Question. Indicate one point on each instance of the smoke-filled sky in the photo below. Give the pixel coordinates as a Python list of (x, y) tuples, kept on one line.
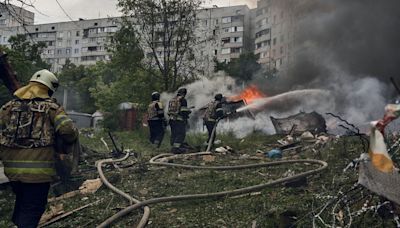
[(49, 11)]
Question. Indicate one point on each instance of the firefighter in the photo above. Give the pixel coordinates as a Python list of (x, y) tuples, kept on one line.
[(178, 113), (212, 114), (29, 125), (156, 119)]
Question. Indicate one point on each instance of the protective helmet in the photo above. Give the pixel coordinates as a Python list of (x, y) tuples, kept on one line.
[(218, 97), (182, 91), (155, 96), (46, 78)]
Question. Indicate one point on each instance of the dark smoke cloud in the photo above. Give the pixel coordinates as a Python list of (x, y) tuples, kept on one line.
[(360, 37), (349, 47)]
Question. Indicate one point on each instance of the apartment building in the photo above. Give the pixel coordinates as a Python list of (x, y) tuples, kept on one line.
[(83, 42), (223, 34), (11, 16)]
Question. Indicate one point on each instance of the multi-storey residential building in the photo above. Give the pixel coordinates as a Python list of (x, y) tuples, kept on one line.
[(223, 34), (11, 15), (82, 42)]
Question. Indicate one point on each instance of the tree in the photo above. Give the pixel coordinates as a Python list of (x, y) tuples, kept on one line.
[(165, 31), (78, 80), (243, 68), (24, 57)]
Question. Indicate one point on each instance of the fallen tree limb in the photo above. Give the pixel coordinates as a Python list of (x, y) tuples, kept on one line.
[(66, 214)]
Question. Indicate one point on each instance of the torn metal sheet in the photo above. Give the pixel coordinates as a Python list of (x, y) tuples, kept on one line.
[(299, 123), (381, 183)]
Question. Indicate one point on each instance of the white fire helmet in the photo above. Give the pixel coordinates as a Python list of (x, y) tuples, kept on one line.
[(46, 78)]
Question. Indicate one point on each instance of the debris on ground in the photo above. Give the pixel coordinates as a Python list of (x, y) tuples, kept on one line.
[(299, 123)]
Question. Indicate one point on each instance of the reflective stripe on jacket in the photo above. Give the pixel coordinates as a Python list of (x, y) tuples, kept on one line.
[(36, 164)]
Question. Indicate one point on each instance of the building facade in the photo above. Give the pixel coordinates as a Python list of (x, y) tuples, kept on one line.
[(223, 33)]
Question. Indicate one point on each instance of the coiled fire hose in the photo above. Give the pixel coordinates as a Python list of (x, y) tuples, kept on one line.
[(163, 159), (131, 200)]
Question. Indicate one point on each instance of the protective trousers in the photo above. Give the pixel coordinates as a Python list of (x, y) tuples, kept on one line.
[(178, 132), (156, 131), (30, 203), (210, 126)]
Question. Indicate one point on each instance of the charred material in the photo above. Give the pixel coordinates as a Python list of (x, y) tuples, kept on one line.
[(299, 123)]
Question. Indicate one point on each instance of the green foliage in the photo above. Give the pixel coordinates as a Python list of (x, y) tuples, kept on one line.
[(25, 60), (165, 32), (242, 68), (78, 80)]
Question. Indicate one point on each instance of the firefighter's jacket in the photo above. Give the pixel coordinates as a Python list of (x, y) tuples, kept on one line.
[(155, 111), (178, 109), (213, 111), (28, 128)]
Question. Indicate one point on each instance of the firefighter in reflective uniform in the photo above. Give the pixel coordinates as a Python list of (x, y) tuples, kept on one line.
[(28, 127), (156, 119), (178, 113), (212, 114)]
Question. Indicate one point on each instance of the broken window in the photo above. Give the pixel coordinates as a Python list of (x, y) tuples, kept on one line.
[(225, 40), (93, 48)]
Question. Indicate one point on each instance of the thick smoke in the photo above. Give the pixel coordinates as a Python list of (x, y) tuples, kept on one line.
[(350, 48)]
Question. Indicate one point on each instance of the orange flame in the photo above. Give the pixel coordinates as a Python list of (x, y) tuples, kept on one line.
[(248, 95)]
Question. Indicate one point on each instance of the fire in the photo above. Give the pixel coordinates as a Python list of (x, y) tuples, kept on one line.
[(248, 95)]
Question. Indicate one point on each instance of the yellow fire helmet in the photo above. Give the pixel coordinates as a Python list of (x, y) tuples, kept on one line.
[(46, 78)]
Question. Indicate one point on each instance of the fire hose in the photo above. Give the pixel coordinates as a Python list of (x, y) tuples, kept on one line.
[(131, 200), (163, 159)]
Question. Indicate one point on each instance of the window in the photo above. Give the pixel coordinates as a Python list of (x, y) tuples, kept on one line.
[(60, 34), (76, 41), (50, 43), (215, 52), (59, 43), (50, 52), (84, 49), (91, 40), (226, 20), (43, 35), (77, 33), (68, 34), (68, 42), (68, 51), (225, 51), (59, 52), (274, 41), (281, 50), (236, 39), (76, 50), (52, 28), (238, 28), (225, 40), (236, 50), (262, 33)]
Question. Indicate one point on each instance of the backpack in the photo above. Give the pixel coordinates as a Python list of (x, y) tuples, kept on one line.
[(174, 106), (210, 111), (29, 125)]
